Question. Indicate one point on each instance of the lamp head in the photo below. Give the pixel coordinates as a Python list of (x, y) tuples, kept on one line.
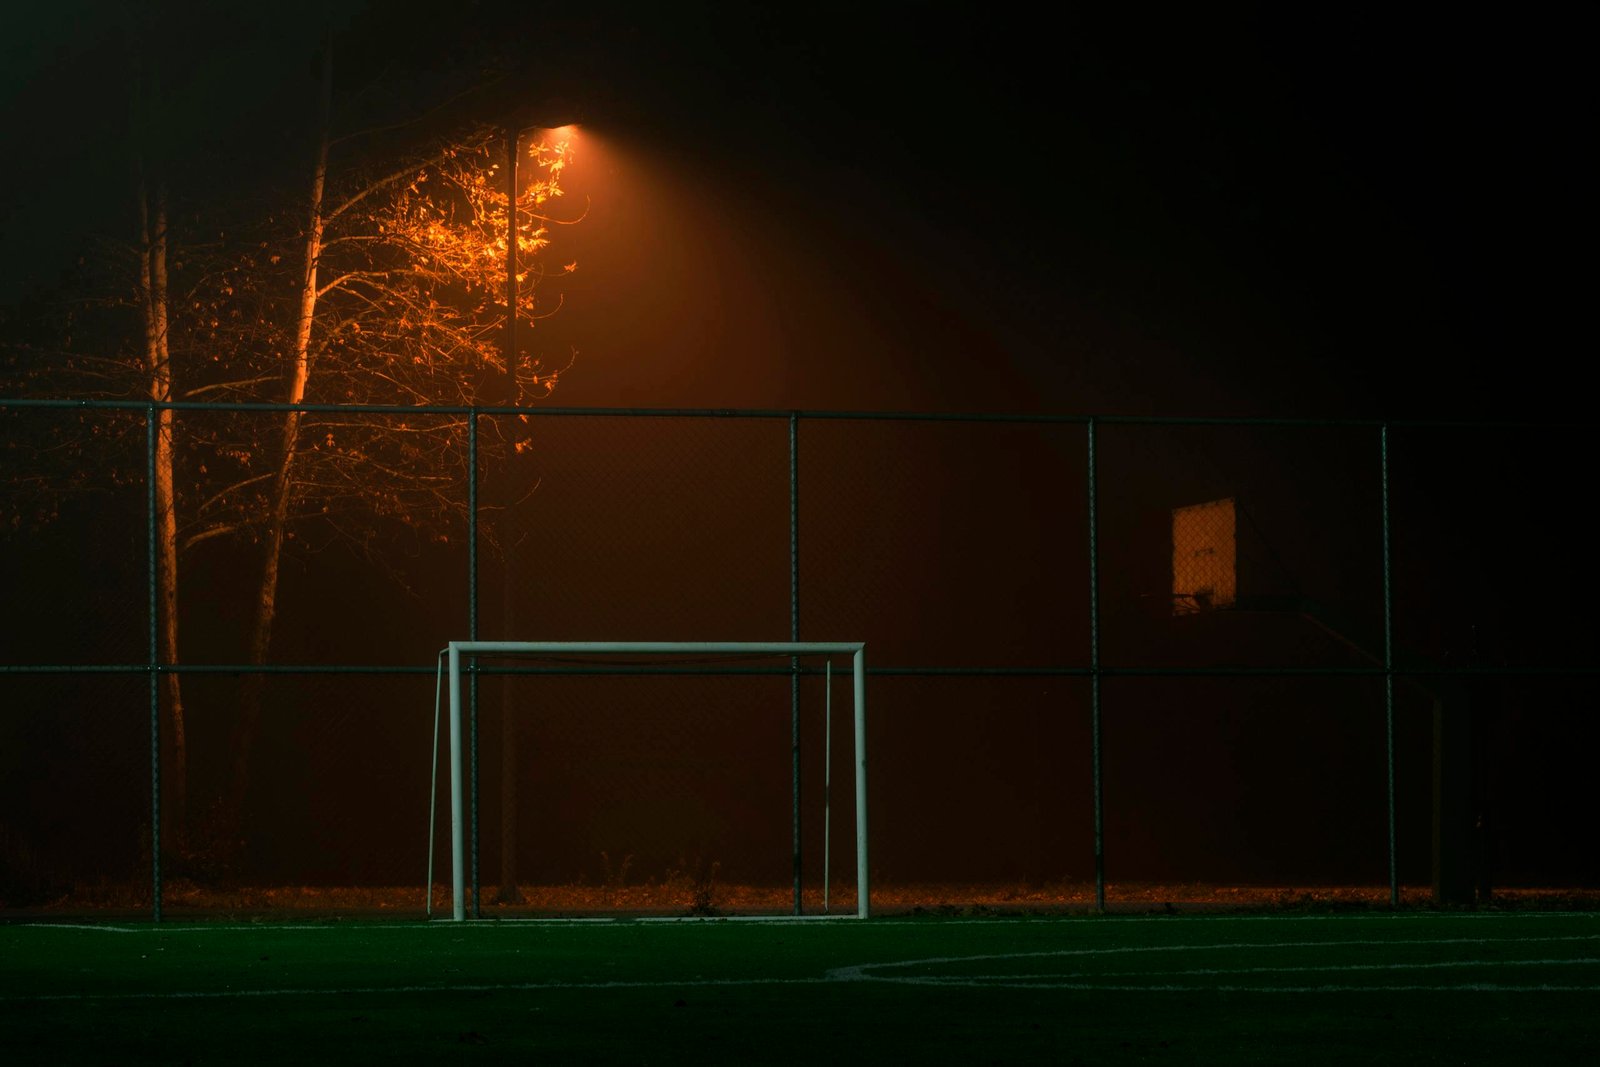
[(555, 115)]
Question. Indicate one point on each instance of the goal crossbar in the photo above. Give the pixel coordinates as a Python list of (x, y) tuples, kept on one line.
[(458, 649)]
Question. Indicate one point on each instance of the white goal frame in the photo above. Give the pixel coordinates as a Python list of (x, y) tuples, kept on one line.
[(457, 649)]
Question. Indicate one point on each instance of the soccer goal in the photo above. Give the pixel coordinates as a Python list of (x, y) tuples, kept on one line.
[(459, 652)]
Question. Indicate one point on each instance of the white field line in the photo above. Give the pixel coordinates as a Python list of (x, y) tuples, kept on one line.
[(859, 973), (1567, 961), (873, 972), (623, 922), (485, 987), (86, 926), (1100, 987), (701, 983)]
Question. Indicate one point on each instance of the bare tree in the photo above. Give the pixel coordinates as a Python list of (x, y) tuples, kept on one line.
[(400, 300), (386, 285), (109, 335)]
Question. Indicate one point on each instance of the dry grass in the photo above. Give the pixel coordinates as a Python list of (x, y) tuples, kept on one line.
[(688, 896)]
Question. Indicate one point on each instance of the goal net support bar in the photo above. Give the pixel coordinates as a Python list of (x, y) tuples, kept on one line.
[(459, 649)]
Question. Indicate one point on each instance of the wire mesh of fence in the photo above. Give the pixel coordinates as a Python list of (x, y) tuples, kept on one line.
[(1319, 657)]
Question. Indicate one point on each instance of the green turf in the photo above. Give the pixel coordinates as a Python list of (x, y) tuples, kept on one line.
[(1423, 988)]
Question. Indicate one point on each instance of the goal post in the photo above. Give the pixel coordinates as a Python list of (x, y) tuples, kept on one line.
[(457, 650)]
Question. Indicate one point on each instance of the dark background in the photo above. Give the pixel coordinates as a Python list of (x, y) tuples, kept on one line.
[(1103, 208)]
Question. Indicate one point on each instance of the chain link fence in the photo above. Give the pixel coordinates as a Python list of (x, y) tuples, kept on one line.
[(1113, 662)]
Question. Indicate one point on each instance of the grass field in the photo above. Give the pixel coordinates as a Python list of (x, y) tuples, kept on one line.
[(1416, 987)]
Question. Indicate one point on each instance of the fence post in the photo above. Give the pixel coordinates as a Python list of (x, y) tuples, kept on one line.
[(1094, 686), (153, 673), (472, 633), (794, 635), (1388, 666)]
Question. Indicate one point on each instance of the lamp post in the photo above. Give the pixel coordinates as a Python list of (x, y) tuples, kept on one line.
[(513, 149), (515, 479)]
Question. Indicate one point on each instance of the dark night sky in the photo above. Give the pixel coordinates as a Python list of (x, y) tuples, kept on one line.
[(1349, 211)]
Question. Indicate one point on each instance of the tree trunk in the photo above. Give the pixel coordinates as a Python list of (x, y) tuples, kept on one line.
[(158, 365), (248, 722)]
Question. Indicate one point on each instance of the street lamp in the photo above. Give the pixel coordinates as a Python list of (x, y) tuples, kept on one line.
[(510, 515)]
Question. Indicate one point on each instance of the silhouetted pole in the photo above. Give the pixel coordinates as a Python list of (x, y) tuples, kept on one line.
[(1094, 685), (508, 892)]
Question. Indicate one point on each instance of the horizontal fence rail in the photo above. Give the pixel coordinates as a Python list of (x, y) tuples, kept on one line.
[(49, 403)]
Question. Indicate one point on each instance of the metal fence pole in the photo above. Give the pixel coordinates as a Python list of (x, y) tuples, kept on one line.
[(794, 635), (153, 674), (1094, 686), (472, 633), (1388, 666)]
